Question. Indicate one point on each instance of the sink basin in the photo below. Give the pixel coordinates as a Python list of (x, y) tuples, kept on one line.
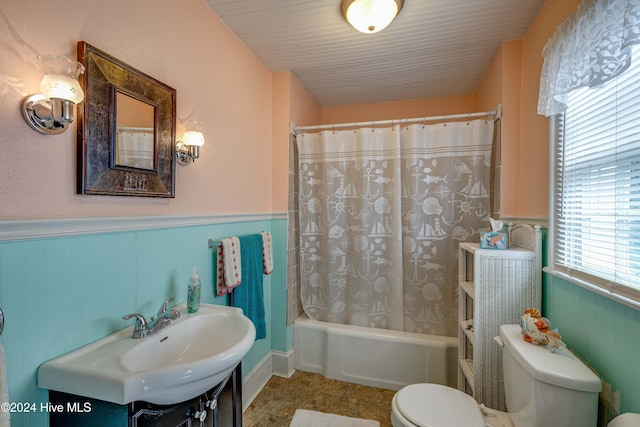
[(181, 361)]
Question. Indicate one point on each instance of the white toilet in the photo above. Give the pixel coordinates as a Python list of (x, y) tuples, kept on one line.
[(626, 420), (542, 389)]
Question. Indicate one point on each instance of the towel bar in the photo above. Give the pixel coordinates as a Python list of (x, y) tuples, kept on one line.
[(214, 243), (1, 321)]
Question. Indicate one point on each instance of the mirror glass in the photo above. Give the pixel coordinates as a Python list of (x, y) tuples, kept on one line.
[(127, 129), (135, 136)]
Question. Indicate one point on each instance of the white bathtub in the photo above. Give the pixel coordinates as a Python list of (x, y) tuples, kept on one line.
[(374, 357)]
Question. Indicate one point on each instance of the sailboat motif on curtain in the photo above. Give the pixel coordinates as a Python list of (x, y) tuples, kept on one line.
[(381, 214)]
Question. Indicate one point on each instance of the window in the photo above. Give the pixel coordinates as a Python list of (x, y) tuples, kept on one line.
[(596, 185)]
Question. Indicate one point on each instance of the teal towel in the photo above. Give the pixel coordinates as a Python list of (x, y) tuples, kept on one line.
[(248, 295)]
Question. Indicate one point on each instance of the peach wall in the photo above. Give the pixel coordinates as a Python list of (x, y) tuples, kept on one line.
[(489, 92), (305, 109), (292, 103), (514, 78), (280, 138), (533, 178), (510, 196), (222, 83), (397, 109), (501, 85), (183, 44)]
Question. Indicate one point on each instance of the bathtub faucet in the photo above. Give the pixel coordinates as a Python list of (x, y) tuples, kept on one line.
[(145, 328)]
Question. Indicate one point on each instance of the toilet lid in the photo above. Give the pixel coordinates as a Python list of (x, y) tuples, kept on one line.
[(434, 405)]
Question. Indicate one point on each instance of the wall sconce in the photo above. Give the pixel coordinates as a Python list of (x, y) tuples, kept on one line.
[(51, 111), (370, 16), (188, 149)]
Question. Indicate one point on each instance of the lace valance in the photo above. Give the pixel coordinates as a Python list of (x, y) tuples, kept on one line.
[(591, 47)]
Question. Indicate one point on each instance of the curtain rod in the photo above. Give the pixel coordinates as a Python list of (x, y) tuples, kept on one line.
[(133, 129), (497, 114)]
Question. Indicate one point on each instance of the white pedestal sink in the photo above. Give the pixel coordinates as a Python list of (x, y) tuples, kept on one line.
[(179, 362)]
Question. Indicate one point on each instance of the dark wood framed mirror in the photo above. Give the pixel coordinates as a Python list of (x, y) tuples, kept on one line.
[(126, 131)]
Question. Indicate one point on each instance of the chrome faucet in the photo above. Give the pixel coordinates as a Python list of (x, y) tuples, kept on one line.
[(145, 327)]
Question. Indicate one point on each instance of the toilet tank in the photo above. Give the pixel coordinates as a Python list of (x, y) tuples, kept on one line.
[(545, 389)]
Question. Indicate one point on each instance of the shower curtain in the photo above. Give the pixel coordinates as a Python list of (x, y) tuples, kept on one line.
[(135, 147), (381, 213)]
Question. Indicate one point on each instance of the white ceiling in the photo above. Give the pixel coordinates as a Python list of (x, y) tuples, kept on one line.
[(433, 48)]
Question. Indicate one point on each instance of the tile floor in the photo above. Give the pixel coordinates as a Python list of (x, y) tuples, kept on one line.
[(279, 399)]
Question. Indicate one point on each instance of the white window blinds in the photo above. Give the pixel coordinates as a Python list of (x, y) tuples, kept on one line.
[(596, 206)]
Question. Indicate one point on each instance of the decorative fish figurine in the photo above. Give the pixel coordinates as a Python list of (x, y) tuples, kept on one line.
[(535, 330)]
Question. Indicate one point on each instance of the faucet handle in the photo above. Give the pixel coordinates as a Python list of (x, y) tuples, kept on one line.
[(141, 323), (140, 330), (163, 308)]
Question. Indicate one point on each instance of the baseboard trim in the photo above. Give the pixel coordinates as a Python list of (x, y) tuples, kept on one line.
[(284, 364), (254, 381)]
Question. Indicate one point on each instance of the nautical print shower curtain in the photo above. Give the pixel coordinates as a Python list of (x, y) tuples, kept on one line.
[(381, 213)]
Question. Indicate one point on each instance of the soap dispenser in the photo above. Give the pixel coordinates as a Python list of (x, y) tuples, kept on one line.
[(193, 294)]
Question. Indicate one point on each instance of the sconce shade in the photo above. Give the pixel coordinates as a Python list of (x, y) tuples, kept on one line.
[(51, 111), (61, 79), (188, 149), (61, 87), (193, 137), (370, 16)]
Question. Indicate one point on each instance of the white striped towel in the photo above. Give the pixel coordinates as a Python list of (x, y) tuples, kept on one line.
[(229, 266), (267, 253)]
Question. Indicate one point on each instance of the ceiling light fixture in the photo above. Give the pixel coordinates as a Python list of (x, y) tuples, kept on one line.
[(370, 16)]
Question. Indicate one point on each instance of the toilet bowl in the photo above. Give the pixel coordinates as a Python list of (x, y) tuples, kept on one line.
[(542, 389), (626, 420)]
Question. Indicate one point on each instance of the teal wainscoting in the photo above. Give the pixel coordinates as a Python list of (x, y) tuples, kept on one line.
[(64, 290), (282, 339), (603, 332)]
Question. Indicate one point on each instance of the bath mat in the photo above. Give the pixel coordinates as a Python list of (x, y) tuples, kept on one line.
[(305, 418)]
